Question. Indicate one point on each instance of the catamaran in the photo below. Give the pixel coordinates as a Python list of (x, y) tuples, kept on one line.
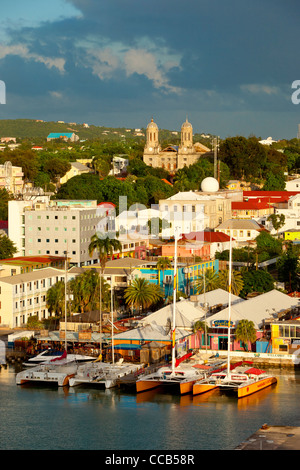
[(241, 382), (178, 376), (52, 354)]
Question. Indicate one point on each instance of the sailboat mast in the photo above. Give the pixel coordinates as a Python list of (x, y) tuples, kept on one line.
[(112, 325), (174, 302), (229, 303), (66, 304)]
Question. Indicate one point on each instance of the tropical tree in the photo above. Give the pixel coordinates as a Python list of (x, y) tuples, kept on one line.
[(7, 247), (85, 290), (237, 282), (256, 281), (245, 332), (142, 294), (207, 281), (278, 221), (201, 326), (163, 264), (55, 298), (105, 248)]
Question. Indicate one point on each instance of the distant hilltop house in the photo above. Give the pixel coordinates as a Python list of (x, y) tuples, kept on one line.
[(268, 141), (63, 136), (172, 157), (8, 139)]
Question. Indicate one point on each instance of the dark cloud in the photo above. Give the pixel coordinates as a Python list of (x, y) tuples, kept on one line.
[(163, 58)]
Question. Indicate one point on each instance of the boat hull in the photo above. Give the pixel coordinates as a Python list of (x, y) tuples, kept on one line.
[(187, 387), (248, 389), (199, 388), (144, 385)]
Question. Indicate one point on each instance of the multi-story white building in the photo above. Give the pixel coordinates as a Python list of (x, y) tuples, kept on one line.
[(44, 227), (24, 295)]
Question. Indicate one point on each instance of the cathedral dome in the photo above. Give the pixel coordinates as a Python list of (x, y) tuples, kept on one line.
[(186, 124), (152, 125)]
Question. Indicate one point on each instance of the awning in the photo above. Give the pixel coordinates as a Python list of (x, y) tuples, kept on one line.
[(254, 371), (126, 346)]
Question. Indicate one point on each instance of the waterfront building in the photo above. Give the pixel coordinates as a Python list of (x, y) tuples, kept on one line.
[(26, 264), (172, 157), (262, 310), (24, 295), (285, 336)]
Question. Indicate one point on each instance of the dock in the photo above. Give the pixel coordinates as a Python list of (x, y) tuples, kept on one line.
[(273, 438)]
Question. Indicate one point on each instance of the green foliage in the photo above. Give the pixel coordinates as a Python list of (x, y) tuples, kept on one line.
[(289, 269), (5, 196), (274, 182), (244, 157), (142, 294), (267, 244), (7, 247), (245, 332), (256, 281)]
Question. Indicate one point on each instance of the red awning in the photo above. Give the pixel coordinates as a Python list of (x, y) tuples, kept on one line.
[(254, 371)]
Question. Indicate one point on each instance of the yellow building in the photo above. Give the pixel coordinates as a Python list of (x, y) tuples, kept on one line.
[(11, 178), (172, 157), (285, 336), (293, 235)]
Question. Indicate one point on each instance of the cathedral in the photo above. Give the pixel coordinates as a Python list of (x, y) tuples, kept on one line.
[(173, 157)]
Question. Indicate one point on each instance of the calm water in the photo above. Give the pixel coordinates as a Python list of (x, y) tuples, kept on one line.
[(41, 417)]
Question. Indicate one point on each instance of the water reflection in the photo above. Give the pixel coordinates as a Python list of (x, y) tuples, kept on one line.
[(95, 418)]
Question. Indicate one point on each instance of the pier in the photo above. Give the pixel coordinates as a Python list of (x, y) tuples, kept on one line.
[(273, 438)]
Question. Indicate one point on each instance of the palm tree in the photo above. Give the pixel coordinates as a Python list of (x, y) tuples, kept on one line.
[(105, 248), (162, 264), (141, 294), (245, 332), (237, 282), (207, 281), (55, 298), (83, 288), (201, 326)]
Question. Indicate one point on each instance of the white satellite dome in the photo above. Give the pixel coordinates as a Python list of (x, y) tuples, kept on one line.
[(210, 185)]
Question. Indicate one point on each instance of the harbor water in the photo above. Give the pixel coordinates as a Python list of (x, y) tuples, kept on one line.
[(45, 417)]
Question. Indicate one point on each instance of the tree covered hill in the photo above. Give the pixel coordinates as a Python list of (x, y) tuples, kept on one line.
[(39, 130)]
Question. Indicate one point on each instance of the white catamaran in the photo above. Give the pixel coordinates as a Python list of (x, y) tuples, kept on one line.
[(239, 381), (179, 377)]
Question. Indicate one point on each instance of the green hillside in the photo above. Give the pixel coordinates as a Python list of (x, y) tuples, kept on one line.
[(38, 131)]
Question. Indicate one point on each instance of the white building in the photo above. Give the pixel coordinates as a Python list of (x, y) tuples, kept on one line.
[(41, 226), (293, 185), (291, 214), (242, 230), (24, 295)]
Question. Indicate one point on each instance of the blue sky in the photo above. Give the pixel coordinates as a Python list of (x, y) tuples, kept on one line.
[(226, 65)]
